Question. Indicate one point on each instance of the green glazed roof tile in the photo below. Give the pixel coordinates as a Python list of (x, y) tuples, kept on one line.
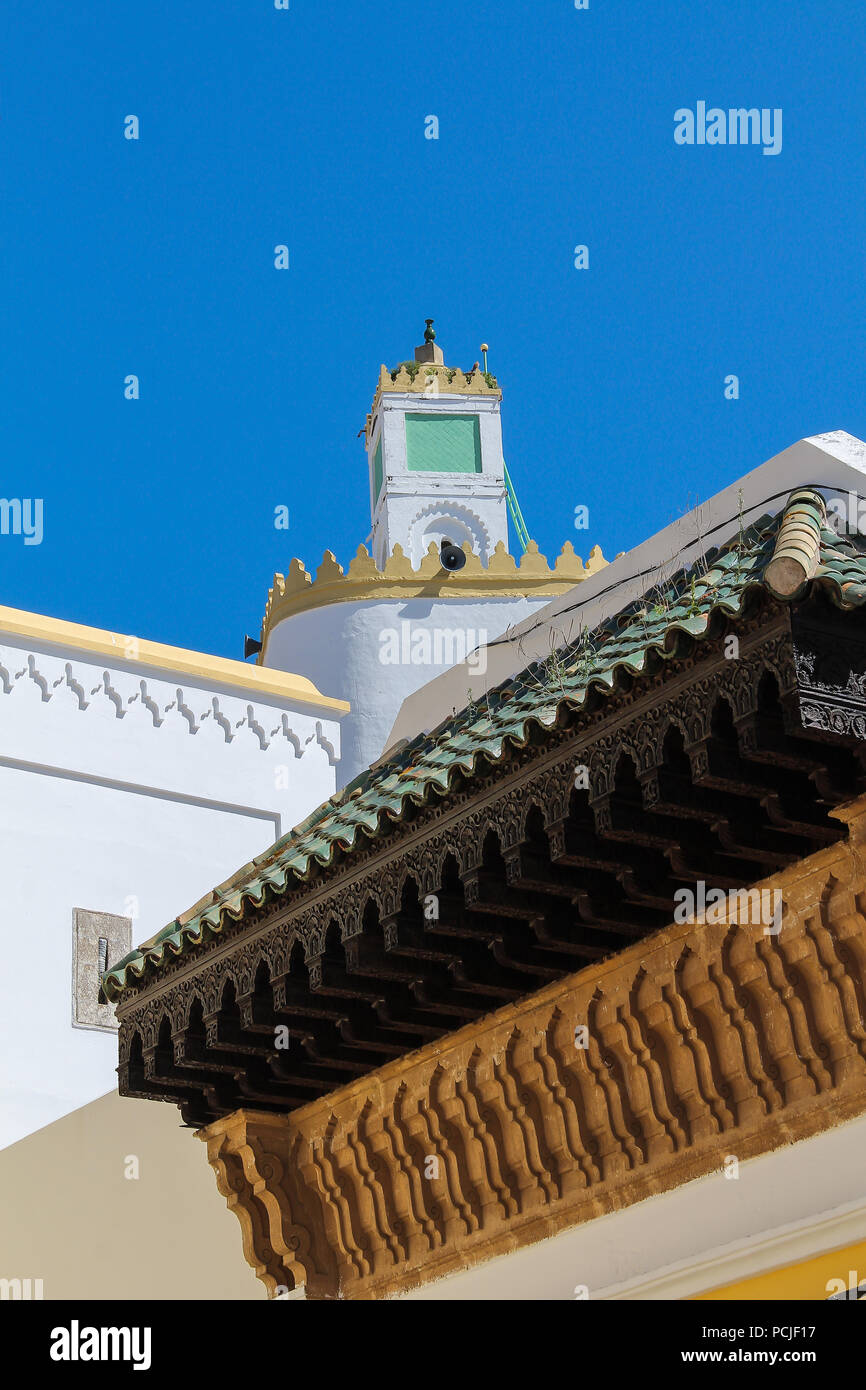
[(427, 766)]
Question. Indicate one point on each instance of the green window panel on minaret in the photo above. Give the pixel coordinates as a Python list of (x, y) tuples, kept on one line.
[(377, 471), (443, 444)]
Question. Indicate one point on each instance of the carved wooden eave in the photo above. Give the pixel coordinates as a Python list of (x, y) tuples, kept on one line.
[(700, 770), (706, 1042)]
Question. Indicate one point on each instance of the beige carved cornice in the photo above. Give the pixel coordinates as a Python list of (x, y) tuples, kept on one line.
[(704, 1041), (503, 577)]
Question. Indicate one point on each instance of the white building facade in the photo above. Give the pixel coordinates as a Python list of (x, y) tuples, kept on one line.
[(133, 776)]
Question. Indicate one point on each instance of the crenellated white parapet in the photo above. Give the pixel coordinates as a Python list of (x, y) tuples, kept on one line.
[(133, 777)]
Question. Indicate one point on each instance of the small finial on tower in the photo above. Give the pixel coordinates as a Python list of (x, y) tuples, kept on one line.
[(428, 351), (484, 350)]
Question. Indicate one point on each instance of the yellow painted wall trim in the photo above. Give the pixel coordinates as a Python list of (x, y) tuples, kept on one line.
[(136, 651), (769, 1265), (814, 1279)]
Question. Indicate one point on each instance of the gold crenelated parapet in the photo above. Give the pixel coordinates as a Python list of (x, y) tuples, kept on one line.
[(428, 378), (297, 590)]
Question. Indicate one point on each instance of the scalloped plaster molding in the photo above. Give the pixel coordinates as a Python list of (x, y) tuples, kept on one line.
[(445, 511), (137, 652), (120, 695)]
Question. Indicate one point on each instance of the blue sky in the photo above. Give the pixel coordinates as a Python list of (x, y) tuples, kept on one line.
[(306, 127)]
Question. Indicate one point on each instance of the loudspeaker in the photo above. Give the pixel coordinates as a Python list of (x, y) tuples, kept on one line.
[(451, 556)]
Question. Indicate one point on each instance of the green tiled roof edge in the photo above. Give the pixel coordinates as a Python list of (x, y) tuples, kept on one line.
[(428, 764)]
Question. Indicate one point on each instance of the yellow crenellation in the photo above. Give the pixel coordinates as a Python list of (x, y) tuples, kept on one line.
[(297, 590), (449, 381)]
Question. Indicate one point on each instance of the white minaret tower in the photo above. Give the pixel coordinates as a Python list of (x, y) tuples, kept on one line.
[(440, 582), (434, 449)]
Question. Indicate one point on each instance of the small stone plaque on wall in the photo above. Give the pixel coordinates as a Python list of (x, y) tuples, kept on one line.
[(99, 939)]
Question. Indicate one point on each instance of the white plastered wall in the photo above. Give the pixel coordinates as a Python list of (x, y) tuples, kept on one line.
[(129, 791), (346, 648)]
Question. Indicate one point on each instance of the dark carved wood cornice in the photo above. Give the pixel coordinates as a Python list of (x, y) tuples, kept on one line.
[(766, 633), (534, 876)]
